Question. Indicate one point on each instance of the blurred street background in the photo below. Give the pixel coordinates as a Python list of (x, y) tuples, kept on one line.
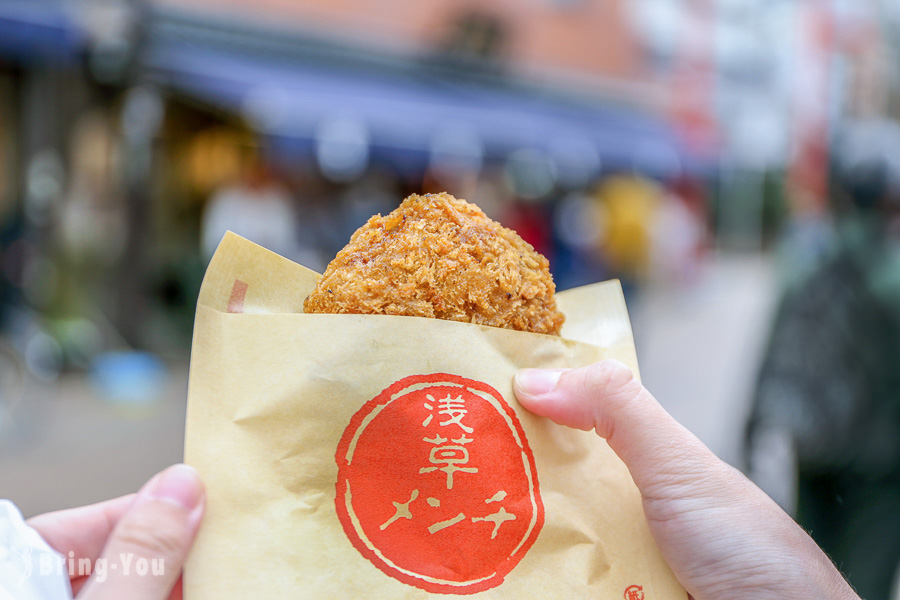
[(736, 163)]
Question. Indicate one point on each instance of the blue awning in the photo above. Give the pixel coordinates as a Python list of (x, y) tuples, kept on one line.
[(40, 30), (290, 100)]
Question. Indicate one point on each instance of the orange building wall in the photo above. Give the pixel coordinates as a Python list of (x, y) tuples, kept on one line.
[(579, 37)]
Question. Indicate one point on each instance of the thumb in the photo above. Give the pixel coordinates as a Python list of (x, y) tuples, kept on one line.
[(144, 556), (606, 396)]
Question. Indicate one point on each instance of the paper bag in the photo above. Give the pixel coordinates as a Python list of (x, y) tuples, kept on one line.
[(374, 456)]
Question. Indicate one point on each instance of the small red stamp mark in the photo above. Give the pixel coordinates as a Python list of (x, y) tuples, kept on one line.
[(437, 485), (238, 293), (634, 592)]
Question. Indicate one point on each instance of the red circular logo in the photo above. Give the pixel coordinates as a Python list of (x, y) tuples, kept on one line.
[(437, 484), (634, 592)]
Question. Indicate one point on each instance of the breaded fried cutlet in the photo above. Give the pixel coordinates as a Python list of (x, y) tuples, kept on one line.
[(439, 257)]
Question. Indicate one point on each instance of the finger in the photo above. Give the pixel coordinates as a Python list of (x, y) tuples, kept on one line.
[(81, 532), (146, 551), (606, 397)]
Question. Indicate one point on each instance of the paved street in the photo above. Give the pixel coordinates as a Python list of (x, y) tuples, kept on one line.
[(698, 351), (72, 448)]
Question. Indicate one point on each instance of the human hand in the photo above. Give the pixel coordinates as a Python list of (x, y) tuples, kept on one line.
[(719, 533), (116, 539)]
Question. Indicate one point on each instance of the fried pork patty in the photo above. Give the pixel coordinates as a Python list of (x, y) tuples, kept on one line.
[(439, 257)]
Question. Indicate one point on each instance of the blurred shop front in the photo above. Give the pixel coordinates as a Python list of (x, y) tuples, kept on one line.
[(45, 103), (127, 126)]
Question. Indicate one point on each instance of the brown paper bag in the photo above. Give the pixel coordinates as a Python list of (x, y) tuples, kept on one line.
[(372, 456)]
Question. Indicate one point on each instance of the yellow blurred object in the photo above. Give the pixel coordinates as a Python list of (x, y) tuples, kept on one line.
[(630, 205), (214, 157)]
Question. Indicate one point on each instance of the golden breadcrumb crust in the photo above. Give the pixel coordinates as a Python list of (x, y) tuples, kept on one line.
[(439, 257)]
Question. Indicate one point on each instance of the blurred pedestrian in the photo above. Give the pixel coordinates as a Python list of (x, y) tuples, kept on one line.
[(830, 385)]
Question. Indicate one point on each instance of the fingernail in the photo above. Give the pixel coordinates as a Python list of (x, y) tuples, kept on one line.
[(178, 484), (537, 382)]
